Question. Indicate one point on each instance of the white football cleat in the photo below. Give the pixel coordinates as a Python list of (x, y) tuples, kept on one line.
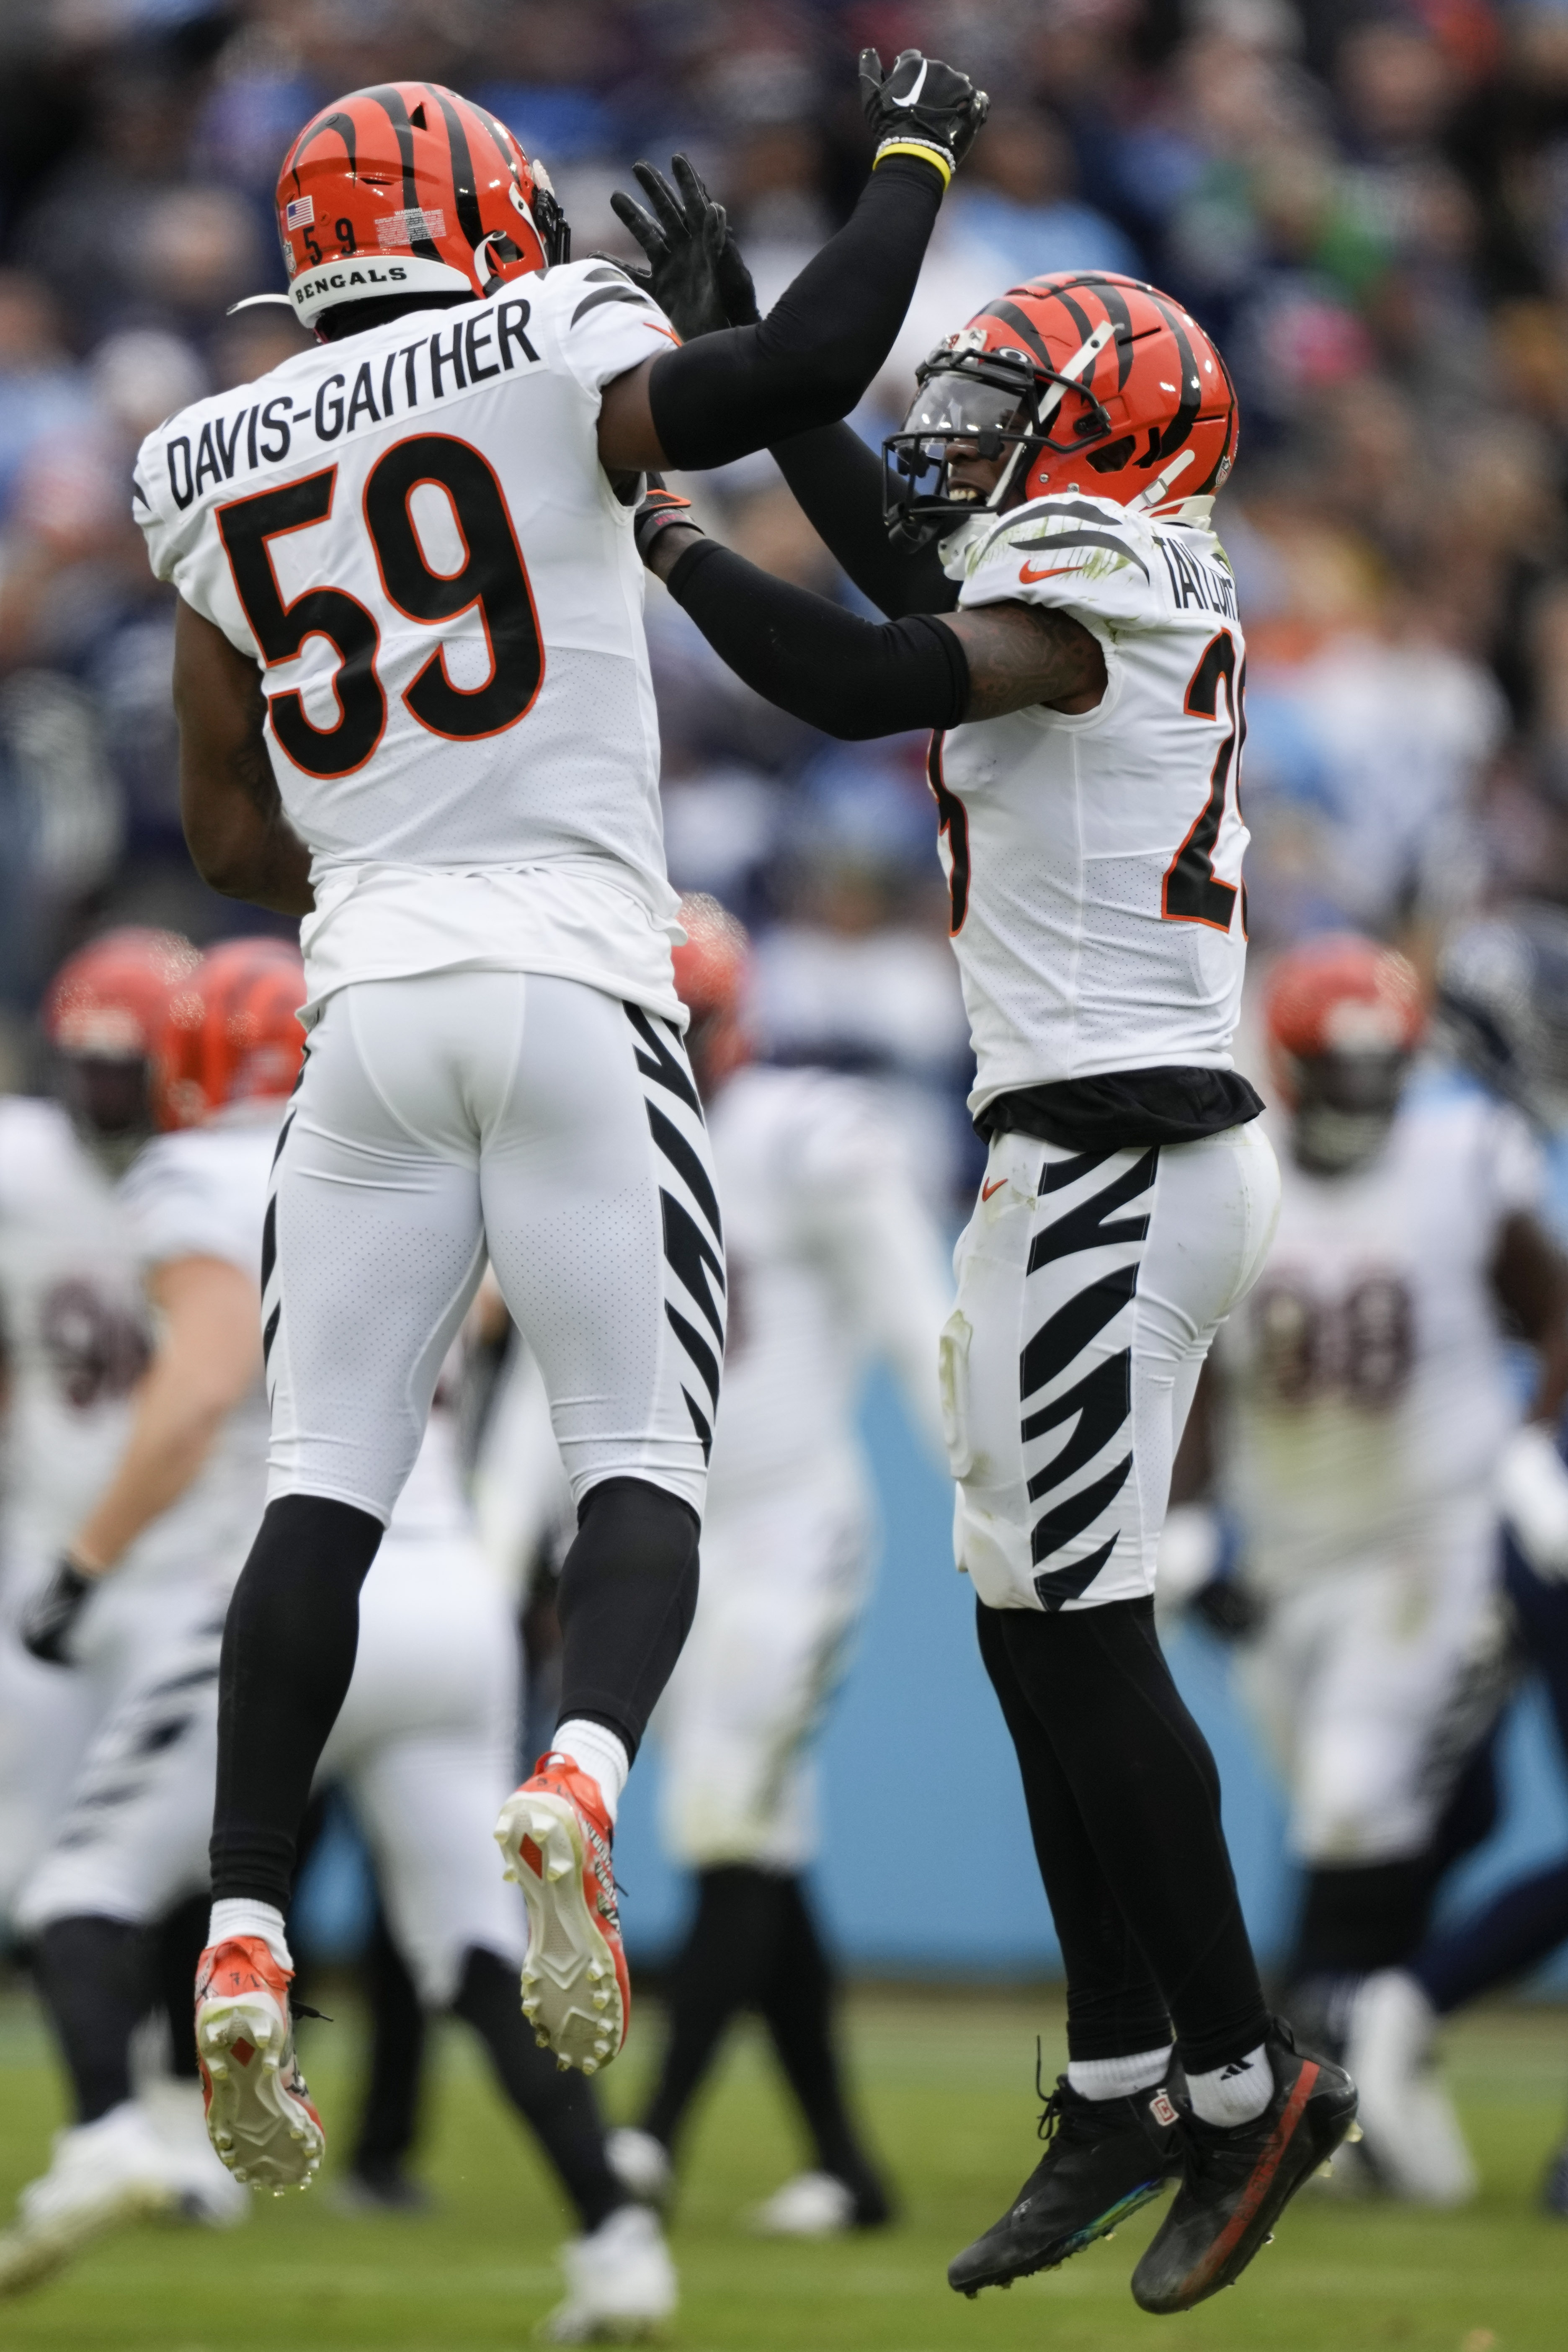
[(260, 2115), (207, 2194), (100, 2174), (642, 2165), (620, 2283), (1412, 2133), (555, 1835), (811, 2205)]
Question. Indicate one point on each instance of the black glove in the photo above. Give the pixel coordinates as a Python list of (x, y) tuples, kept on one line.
[(1227, 1609), (922, 103), (695, 271), (658, 509), (50, 1616)]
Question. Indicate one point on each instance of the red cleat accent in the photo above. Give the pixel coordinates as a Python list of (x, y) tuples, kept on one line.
[(259, 2117)]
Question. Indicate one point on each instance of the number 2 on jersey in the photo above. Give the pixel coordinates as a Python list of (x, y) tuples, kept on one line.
[(1194, 892), (492, 579)]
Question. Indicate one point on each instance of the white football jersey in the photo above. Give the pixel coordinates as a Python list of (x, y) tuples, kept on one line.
[(73, 1325), (1364, 1381), (831, 1260), (1094, 861), (202, 1193), (411, 531)]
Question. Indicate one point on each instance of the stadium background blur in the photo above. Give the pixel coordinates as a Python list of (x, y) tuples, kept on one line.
[(1367, 205)]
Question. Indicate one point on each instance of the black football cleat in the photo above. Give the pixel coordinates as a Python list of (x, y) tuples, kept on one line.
[(1238, 2180), (1104, 2158)]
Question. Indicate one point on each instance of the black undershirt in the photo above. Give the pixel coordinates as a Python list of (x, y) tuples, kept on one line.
[(1124, 1110)]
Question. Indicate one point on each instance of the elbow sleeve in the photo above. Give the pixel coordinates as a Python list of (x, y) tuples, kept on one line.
[(851, 678)]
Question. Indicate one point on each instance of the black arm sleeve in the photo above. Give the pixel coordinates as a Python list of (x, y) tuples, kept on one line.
[(851, 678), (837, 484), (809, 361)]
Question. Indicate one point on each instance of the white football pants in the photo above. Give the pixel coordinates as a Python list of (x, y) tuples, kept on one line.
[(1374, 1681), (1089, 1288), (424, 1749), (460, 1113), (785, 1578)]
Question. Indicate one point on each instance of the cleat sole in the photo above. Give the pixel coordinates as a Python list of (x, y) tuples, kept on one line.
[(261, 2130), (569, 1956)]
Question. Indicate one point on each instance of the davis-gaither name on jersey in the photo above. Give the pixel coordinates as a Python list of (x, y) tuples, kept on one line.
[(492, 341)]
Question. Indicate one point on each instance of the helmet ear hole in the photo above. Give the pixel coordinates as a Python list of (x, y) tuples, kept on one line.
[(1114, 455)]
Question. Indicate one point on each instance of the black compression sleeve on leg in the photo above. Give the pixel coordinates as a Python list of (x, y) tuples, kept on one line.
[(852, 677), (389, 2119), (1115, 2007), (1363, 1915), (1146, 1791), (628, 1593), (837, 485), (798, 2000), (557, 2103), (287, 1657), (809, 361), (178, 1942), (95, 1980), (719, 1970)]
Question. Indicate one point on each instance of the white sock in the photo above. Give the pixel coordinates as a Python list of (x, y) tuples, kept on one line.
[(237, 1916), (1118, 2078), (600, 1753), (1232, 2094)]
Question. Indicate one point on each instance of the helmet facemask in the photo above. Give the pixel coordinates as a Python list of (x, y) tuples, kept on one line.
[(1346, 1105), (984, 404)]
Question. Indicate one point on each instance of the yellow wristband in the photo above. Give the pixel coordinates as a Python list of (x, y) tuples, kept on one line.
[(915, 147)]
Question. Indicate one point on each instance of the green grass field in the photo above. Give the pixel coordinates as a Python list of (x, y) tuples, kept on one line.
[(947, 2082)]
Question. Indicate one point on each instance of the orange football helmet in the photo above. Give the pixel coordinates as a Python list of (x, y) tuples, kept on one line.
[(409, 188), (1343, 1016), (248, 1045), (710, 980), (1084, 381), (113, 1016)]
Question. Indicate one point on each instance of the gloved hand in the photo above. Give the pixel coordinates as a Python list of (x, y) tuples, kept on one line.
[(922, 103), (695, 271), (49, 1617), (658, 510), (1533, 1496)]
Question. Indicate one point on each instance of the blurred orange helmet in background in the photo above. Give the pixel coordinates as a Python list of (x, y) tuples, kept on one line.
[(711, 973), (114, 1016), (1339, 994), (410, 189), (247, 1044), (1343, 1016)]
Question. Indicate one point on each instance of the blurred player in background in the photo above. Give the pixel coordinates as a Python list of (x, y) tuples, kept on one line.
[(1503, 1006), (424, 1742), (414, 544), (77, 1335), (1360, 1414), (832, 1260), (1066, 625)]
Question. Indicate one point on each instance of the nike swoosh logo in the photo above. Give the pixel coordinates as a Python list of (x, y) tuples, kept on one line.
[(995, 1186), (912, 95), (1029, 571)]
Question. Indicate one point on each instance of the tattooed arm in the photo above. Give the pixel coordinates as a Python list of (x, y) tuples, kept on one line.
[(239, 839), (1024, 653), (857, 678)]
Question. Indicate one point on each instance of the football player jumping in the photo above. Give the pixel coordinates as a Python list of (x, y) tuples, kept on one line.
[(414, 708), (1065, 623)]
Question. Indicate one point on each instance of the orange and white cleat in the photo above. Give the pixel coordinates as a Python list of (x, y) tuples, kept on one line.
[(555, 1835), (260, 2115)]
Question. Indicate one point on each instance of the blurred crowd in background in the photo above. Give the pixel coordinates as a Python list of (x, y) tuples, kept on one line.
[(1366, 205)]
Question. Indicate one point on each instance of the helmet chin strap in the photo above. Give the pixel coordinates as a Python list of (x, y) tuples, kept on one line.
[(994, 503), (1159, 489)]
